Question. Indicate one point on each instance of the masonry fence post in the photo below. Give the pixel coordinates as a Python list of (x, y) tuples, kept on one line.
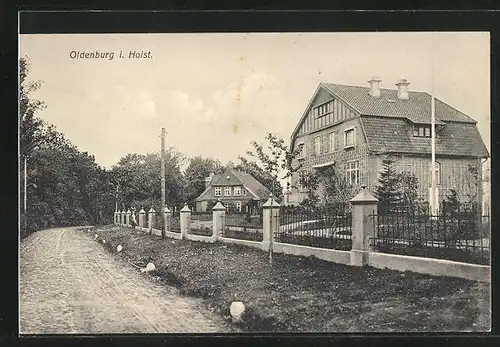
[(127, 217), (115, 219), (142, 218), (122, 218), (167, 216), (151, 219), (185, 220), (364, 205), (270, 219), (218, 213)]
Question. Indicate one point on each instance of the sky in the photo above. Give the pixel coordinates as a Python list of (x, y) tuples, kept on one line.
[(215, 93)]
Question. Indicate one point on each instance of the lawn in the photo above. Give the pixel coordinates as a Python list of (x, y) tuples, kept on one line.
[(304, 294)]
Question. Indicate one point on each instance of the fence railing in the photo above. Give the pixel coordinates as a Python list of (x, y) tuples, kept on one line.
[(460, 236), (242, 226), (175, 222), (201, 216), (314, 228)]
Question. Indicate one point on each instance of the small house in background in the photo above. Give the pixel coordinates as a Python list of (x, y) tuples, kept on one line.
[(237, 190)]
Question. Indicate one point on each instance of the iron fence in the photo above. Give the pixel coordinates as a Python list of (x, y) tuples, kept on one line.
[(202, 216), (314, 228), (175, 222), (242, 226), (457, 235)]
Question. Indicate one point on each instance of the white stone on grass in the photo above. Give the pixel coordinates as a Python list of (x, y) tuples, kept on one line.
[(96, 236), (150, 267), (236, 309), (119, 248), (103, 241)]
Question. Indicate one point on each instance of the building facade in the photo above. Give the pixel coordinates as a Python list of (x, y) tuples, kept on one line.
[(237, 190), (354, 128)]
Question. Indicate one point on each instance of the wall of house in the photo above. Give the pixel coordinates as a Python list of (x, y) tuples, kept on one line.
[(340, 155), (454, 174)]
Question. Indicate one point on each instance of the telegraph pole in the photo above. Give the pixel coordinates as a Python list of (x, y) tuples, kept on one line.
[(163, 181)]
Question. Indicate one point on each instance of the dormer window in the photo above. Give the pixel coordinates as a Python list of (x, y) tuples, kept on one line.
[(422, 131)]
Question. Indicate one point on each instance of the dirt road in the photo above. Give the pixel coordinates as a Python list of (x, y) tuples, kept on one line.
[(70, 284)]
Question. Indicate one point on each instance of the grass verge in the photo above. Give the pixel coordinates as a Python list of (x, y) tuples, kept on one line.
[(302, 294)]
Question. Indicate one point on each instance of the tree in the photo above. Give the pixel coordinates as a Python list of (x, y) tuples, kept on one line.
[(277, 160), (387, 191), (198, 169), (266, 179), (408, 189), (337, 191), (139, 181)]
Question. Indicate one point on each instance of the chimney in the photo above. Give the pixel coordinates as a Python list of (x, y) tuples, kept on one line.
[(374, 88), (208, 179), (403, 89)]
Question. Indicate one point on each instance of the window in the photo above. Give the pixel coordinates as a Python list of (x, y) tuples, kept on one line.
[(244, 191), (352, 172), (302, 153), (323, 109), (237, 191), (227, 191), (422, 131), (317, 145), (438, 173), (349, 137), (331, 140), (238, 205), (218, 191)]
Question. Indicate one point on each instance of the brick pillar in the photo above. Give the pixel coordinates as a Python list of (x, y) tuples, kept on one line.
[(116, 218), (364, 204), (218, 213), (142, 218), (185, 220), (270, 219), (167, 216), (151, 219), (127, 217)]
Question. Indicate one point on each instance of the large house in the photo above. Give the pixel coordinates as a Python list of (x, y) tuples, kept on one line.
[(237, 190), (355, 127)]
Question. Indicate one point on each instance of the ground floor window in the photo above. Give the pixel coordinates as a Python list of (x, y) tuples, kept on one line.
[(352, 172), (237, 204)]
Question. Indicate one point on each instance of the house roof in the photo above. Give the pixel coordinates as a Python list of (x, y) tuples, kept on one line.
[(236, 178), (417, 108), (394, 136)]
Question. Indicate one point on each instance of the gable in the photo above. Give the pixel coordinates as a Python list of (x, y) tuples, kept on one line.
[(338, 111)]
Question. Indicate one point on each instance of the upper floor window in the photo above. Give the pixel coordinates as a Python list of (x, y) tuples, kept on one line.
[(237, 191), (227, 191), (352, 172), (244, 191), (331, 141), (349, 137), (323, 109), (317, 145), (218, 191), (422, 131)]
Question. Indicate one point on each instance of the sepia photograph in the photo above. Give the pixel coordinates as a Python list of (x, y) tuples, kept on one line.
[(324, 182)]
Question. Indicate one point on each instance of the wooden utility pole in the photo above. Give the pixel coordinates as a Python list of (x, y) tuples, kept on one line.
[(163, 182)]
